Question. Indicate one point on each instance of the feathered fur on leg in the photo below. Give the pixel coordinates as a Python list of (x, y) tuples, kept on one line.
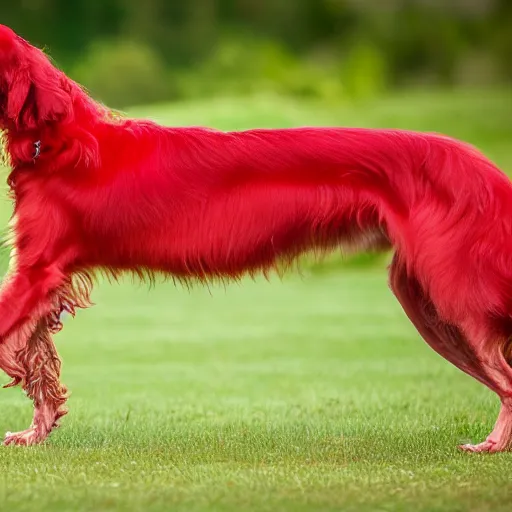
[(38, 371), (35, 302)]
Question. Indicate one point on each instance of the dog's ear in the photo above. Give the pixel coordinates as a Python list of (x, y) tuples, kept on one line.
[(17, 96), (52, 95), (38, 94)]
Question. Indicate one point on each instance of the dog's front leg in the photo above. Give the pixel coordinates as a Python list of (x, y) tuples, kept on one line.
[(26, 296), (28, 304), (32, 361)]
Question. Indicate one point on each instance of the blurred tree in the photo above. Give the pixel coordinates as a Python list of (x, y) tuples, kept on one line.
[(387, 42)]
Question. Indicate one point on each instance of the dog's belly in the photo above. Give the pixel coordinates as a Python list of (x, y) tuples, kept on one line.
[(236, 233)]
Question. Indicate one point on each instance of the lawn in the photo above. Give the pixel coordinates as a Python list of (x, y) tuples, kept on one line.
[(310, 394)]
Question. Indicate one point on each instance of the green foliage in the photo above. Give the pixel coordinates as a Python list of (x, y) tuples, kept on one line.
[(329, 49), (121, 73), (241, 66), (365, 71)]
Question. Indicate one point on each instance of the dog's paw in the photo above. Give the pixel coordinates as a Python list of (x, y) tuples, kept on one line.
[(28, 437), (485, 447)]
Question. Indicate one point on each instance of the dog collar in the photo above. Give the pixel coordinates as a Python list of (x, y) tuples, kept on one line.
[(37, 149)]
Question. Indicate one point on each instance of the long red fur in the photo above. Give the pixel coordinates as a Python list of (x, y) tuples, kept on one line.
[(111, 194)]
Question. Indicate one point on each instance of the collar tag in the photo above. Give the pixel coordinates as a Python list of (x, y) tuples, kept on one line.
[(37, 149)]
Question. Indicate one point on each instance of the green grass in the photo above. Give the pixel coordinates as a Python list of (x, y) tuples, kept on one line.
[(311, 394)]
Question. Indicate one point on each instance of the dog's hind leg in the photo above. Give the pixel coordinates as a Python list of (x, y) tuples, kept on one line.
[(32, 361), (484, 362), (495, 360)]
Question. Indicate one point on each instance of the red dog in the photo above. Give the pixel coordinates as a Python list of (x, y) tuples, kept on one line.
[(97, 192)]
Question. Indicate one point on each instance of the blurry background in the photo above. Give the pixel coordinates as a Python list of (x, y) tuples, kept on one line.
[(312, 394), (139, 51)]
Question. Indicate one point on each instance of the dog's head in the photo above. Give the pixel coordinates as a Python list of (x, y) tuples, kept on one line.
[(33, 92)]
